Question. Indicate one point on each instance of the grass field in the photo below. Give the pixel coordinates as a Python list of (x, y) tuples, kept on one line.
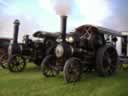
[(32, 83)]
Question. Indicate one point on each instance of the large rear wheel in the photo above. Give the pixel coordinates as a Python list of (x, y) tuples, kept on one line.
[(106, 60)]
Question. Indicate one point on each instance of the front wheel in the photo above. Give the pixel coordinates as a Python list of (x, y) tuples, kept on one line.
[(72, 70), (48, 66), (16, 63)]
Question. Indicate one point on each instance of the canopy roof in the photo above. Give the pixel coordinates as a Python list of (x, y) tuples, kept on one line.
[(99, 29)]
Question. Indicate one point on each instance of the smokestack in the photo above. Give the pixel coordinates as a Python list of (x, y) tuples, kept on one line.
[(16, 31), (63, 26), (63, 8)]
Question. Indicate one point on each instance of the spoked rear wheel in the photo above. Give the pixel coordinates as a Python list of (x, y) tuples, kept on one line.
[(16, 63), (106, 60), (72, 70), (4, 62), (48, 66)]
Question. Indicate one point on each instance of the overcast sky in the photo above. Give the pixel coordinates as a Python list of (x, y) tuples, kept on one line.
[(40, 15)]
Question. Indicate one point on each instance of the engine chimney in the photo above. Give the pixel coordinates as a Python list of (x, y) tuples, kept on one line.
[(63, 26), (16, 31)]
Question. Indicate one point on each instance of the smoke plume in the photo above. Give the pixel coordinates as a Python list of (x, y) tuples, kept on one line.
[(62, 7)]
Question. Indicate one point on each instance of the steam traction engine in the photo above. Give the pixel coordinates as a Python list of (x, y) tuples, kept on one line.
[(29, 50), (85, 49)]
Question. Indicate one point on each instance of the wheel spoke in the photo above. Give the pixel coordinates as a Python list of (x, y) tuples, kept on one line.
[(106, 60), (72, 71), (16, 63), (48, 67)]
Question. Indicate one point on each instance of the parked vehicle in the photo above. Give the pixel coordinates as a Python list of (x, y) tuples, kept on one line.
[(29, 50), (85, 49)]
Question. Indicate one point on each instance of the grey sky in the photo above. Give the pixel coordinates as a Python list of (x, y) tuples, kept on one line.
[(38, 15)]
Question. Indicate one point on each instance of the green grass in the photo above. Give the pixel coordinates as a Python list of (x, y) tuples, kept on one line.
[(32, 83)]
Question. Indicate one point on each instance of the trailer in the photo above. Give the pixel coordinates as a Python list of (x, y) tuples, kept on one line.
[(122, 48), (4, 44)]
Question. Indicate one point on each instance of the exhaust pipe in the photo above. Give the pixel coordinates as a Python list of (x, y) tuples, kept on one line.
[(16, 31), (63, 27)]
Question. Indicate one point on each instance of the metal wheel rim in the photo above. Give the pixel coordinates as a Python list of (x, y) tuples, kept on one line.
[(73, 72), (109, 60), (4, 63), (49, 68), (17, 64)]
